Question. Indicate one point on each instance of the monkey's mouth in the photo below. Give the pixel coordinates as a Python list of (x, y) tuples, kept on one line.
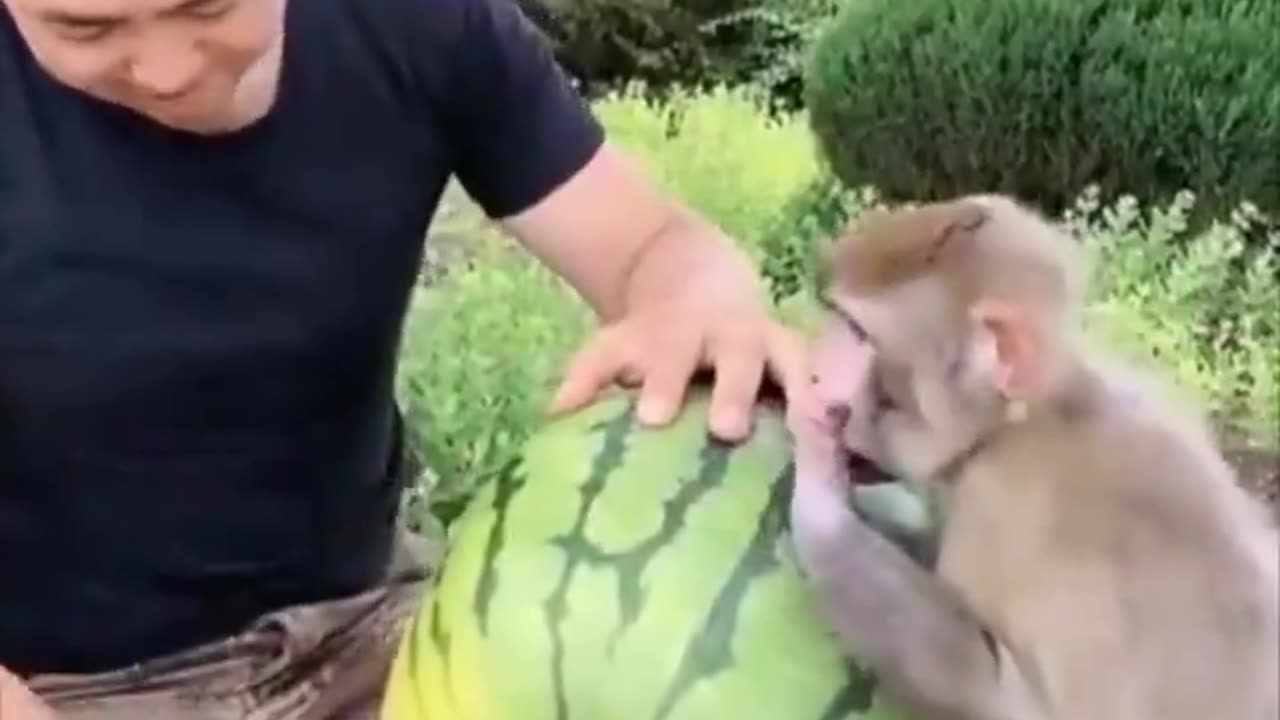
[(862, 471)]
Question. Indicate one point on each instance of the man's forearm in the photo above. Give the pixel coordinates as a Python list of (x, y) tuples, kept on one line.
[(19, 703), (685, 248), (621, 243)]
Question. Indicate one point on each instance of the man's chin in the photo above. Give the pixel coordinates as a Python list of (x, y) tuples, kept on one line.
[(205, 123), (207, 126), (205, 118)]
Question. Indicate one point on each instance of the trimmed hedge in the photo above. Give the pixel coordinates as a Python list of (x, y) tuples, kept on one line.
[(1042, 98)]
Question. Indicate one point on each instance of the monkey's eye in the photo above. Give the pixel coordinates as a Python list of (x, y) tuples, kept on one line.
[(891, 388), (880, 394)]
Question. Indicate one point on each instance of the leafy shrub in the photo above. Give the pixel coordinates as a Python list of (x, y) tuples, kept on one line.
[(692, 44), (482, 347), (809, 218), (603, 42), (1041, 98), (765, 45), (485, 341), (1183, 310), (754, 172), (719, 152)]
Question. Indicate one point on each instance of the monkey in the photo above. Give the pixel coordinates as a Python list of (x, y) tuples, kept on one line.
[(1096, 558)]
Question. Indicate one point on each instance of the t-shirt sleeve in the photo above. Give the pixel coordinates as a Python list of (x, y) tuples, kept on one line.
[(516, 126)]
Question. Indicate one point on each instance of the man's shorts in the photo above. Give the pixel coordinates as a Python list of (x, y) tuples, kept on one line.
[(322, 661)]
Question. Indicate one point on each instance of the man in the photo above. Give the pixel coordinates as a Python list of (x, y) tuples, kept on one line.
[(211, 216)]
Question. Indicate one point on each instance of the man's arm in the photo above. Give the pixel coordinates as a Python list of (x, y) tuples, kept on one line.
[(619, 241), (529, 149), (673, 292), (19, 703)]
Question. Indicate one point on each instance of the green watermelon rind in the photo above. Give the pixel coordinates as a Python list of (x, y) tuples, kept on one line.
[(569, 623)]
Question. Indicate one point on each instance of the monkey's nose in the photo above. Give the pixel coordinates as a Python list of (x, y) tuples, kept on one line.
[(839, 414)]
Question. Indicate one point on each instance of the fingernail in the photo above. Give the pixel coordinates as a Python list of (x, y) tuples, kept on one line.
[(653, 412), (730, 424), (557, 402)]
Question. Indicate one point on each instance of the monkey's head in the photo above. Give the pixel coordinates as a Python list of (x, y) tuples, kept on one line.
[(943, 321)]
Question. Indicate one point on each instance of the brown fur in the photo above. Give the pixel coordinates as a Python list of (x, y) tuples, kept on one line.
[(876, 254), (1099, 541)]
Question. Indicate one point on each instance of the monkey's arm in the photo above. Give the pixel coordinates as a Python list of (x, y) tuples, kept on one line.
[(931, 655), (897, 513)]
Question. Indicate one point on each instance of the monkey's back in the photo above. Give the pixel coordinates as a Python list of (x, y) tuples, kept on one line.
[(1113, 552)]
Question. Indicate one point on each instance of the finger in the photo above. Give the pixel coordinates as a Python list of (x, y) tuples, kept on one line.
[(630, 377), (818, 510), (807, 420), (588, 371), (740, 366), (667, 379), (819, 459), (789, 363)]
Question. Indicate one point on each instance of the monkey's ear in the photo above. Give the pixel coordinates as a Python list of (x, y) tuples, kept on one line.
[(952, 229), (1012, 355)]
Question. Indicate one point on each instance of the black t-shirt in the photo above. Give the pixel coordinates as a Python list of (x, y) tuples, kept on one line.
[(198, 335)]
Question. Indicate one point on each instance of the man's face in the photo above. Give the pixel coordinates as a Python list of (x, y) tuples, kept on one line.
[(197, 65)]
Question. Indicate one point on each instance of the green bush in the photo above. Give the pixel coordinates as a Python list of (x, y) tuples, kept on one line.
[(1184, 310), (765, 45), (604, 42), (1042, 98), (608, 44), (484, 342), (808, 219), (719, 152), (486, 339), (482, 347)]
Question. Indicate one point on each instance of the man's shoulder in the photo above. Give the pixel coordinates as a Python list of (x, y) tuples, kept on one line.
[(10, 41), (435, 46), (421, 27)]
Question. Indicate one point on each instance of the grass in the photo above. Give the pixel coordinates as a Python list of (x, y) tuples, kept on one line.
[(486, 337)]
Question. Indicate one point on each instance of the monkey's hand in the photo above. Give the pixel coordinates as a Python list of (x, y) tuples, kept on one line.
[(932, 656), (820, 494)]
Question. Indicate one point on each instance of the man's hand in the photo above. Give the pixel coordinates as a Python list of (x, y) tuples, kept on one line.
[(673, 293), (661, 343), (19, 703)]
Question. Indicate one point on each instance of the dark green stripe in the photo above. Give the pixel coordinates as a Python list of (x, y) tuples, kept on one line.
[(440, 639), (709, 653), (855, 698), (413, 657), (857, 695), (510, 480), (631, 563), (577, 548), (413, 654)]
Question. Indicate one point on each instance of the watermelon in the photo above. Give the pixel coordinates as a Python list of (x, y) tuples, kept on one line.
[(624, 572)]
